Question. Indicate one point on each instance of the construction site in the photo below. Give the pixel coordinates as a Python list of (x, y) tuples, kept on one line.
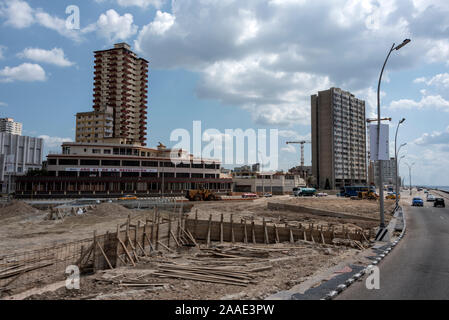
[(115, 214), (241, 249)]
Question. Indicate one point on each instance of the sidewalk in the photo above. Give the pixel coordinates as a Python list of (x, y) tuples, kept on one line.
[(337, 278)]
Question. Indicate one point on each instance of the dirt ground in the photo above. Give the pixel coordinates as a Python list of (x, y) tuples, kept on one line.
[(258, 209), (24, 228), (365, 208), (290, 265)]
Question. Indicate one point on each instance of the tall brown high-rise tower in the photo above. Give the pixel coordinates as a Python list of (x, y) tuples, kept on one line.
[(338, 139), (120, 99)]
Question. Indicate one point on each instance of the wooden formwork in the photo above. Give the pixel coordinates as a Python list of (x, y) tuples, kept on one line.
[(132, 241), (245, 232), (125, 247)]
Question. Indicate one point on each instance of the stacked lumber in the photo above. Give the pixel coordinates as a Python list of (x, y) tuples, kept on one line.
[(205, 274), (133, 283), (348, 243), (16, 268), (236, 253)]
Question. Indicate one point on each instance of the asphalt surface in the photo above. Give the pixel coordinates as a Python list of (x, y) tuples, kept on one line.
[(418, 268)]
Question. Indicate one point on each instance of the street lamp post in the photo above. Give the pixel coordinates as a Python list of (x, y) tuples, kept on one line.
[(399, 165), (410, 174), (381, 187), (396, 152), (397, 173)]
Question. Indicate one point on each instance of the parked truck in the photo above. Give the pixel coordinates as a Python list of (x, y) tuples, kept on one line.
[(304, 192)]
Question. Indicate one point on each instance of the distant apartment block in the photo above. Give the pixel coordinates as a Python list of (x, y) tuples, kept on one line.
[(277, 183), (120, 99), (338, 139), (8, 125), (18, 155), (388, 172), (95, 126), (103, 170)]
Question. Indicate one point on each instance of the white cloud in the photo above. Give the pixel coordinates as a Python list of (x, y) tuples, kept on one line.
[(439, 80), (20, 15), (3, 104), (140, 3), (427, 102), (289, 149), (439, 51), (57, 24), (28, 72), (161, 23), (250, 27), (55, 56), (431, 165), (54, 142), (114, 27), (271, 97), (253, 54), (435, 138), (288, 134), (370, 96), (136, 3)]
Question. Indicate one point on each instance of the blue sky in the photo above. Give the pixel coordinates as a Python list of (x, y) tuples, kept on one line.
[(234, 64)]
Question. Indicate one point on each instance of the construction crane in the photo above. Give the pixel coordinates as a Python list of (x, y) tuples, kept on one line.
[(302, 143), (375, 120)]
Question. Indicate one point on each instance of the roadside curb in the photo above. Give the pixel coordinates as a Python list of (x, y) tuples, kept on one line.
[(377, 259)]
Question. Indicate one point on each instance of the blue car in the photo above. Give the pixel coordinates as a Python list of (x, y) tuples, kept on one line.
[(417, 202)]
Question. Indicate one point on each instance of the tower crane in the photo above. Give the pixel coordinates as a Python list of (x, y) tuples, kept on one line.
[(302, 143)]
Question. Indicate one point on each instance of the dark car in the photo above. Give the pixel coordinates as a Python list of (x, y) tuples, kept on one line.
[(439, 202), (418, 202)]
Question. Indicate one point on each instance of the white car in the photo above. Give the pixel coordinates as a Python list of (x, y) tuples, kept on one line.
[(430, 197), (322, 194)]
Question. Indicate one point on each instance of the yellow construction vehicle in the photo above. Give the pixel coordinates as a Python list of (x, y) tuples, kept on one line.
[(392, 196), (202, 195), (368, 195)]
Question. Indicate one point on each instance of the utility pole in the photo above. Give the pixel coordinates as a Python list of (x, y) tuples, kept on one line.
[(410, 174), (381, 187)]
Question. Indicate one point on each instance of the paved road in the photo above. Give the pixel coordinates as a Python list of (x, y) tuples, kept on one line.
[(418, 268)]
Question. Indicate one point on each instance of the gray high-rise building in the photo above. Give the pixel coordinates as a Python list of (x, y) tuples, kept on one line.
[(18, 155), (388, 172), (338, 139)]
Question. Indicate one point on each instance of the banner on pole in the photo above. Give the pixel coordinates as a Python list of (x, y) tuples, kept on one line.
[(384, 146)]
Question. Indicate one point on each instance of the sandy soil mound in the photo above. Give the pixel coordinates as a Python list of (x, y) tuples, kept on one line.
[(17, 209), (109, 209), (100, 213), (356, 207)]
